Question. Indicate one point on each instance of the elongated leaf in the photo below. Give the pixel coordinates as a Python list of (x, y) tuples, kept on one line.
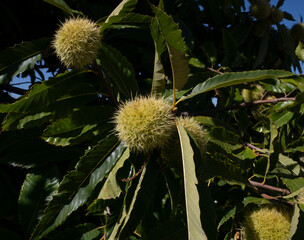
[(230, 79), (26, 149), (296, 228), (22, 120), (19, 58), (227, 216), (139, 202), (118, 69), (281, 118), (165, 31), (294, 185), (79, 184), (290, 164), (193, 212), (78, 126), (62, 5), (158, 83), (38, 186), (255, 200), (132, 20), (125, 7), (111, 188), (120, 12), (68, 86)]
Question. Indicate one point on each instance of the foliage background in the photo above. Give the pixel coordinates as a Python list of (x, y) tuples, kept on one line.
[(61, 168)]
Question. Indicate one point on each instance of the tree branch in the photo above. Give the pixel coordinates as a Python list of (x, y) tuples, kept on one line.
[(237, 106), (12, 89), (268, 187), (246, 144)]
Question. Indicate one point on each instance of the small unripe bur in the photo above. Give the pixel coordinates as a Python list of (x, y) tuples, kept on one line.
[(297, 32), (276, 15), (260, 10), (76, 42), (251, 95), (266, 223), (144, 124)]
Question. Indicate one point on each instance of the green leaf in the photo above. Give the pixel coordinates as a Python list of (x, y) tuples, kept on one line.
[(25, 149), (39, 185), (132, 20), (69, 86), (119, 70), (124, 8), (78, 185), (139, 202), (165, 31), (193, 212), (230, 79), (224, 138), (296, 228), (78, 126), (226, 217), (117, 15), (281, 118), (255, 200), (294, 185), (300, 51), (158, 83), (62, 5), (111, 188), (180, 67), (20, 121), (290, 164), (19, 58)]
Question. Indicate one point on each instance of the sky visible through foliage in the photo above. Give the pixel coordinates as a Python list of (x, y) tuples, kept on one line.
[(294, 7)]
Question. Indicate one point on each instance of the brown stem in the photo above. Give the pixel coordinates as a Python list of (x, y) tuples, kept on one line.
[(246, 144), (213, 70), (241, 105), (135, 175), (268, 187), (105, 84)]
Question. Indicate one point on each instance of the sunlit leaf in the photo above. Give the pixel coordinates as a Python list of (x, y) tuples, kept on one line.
[(39, 185), (193, 212), (19, 58), (230, 79), (78, 185)]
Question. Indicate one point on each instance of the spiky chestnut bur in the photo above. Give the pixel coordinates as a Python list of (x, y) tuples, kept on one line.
[(144, 123), (297, 32), (266, 223), (260, 9), (172, 151), (276, 16), (76, 42), (250, 95)]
